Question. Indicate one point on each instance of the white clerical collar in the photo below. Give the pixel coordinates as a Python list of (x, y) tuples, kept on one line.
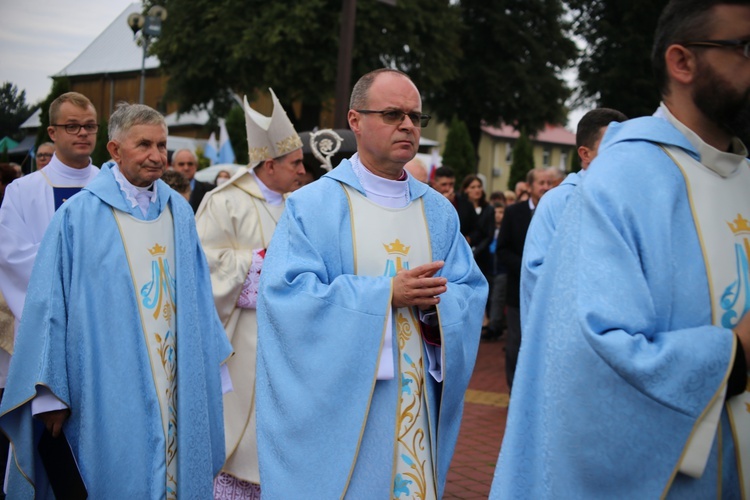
[(61, 171), (140, 196), (384, 192), (721, 162), (272, 197)]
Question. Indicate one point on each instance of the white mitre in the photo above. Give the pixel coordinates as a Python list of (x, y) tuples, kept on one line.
[(269, 137)]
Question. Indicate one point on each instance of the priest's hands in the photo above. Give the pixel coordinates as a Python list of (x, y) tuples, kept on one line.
[(53, 420), (419, 287)]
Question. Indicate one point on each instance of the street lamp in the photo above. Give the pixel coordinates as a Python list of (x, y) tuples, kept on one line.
[(150, 27)]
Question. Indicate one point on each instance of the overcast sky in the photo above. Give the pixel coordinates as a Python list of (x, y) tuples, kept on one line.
[(38, 38)]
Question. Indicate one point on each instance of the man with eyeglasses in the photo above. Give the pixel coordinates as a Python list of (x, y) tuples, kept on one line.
[(31, 201), (369, 313), (44, 154), (632, 379)]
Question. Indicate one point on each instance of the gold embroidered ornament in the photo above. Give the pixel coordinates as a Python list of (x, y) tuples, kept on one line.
[(269, 137)]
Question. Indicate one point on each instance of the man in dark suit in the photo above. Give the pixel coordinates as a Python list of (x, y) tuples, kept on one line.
[(510, 243), (185, 162)]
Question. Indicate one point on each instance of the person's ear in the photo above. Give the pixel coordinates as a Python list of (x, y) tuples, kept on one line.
[(114, 151), (681, 64)]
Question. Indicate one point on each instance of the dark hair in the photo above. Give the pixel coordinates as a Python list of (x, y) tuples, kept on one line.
[(7, 174), (467, 181), (176, 181), (444, 171), (358, 100), (590, 126), (681, 21), (497, 196)]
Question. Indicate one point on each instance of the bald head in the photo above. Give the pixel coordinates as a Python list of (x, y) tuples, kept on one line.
[(417, 169)]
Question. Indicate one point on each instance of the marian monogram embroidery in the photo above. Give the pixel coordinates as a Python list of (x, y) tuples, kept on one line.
[(158, 295), (161, 287), (735, 299)]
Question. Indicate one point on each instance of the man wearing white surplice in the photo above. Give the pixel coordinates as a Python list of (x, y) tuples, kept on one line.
[(235, 224), (369, 316)]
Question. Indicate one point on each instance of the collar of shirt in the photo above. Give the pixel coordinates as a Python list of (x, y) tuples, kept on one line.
[(272, 197), (64, 174), (140, 196), (721, 162), (385, 192), (531, 205)]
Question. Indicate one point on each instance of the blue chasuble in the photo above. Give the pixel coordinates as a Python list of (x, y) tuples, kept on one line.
[(619, 357), (81, 337), (319, 333)]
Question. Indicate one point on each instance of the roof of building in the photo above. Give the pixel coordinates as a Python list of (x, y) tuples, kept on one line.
[(33, 121), (552, 134), (113, 51), (199, 117)]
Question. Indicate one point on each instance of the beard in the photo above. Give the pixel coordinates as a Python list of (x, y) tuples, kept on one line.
[(723, 104)]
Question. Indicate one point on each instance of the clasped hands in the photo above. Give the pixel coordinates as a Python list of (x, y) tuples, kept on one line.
[(419, 287)]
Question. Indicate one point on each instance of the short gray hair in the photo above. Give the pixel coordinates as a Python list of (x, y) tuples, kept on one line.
[(127, 116), (192, 153)]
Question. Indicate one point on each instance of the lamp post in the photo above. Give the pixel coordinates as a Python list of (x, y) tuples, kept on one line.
[(149, 27)]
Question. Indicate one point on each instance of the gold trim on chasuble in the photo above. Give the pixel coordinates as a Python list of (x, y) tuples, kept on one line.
[(149, 247), (384, 241), (724, 235)]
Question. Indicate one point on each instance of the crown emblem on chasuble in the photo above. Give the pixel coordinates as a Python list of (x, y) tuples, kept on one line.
[(740, 225), (157, 250), (397, 253)]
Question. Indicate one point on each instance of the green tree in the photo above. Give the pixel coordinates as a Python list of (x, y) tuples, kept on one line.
[(13, 110), (615, 65), (59, 87), (459, 152), (238, 134), (100, 154), (209, 47), (523, 160), (513, 56)]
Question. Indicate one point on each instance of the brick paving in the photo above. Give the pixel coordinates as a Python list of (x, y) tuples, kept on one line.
[(482, 427)]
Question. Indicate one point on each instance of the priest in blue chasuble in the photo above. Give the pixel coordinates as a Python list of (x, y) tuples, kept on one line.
[(369, 317), (632, 377), (119, 353)]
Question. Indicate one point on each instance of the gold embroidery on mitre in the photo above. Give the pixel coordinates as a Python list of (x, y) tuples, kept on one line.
[(258, 154), (740, 225), (291, 143), (397, 247), (157, 250)]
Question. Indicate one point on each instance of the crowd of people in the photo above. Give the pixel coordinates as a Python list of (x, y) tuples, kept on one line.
[(270, 336)]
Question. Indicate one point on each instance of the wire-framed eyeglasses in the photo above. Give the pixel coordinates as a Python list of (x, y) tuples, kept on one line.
[(75, 128), (722, 44), (396, 116)]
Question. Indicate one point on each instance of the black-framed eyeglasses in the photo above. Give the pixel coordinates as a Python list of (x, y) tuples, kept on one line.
[(75, 128), (44, 155), (396, 116), (743, 44)]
